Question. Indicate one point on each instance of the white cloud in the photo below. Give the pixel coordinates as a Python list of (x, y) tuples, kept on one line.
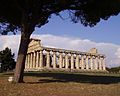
[(11, 41), (118, 53), (112, 51)]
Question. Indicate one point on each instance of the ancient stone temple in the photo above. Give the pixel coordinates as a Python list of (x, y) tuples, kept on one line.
[(40, 57)]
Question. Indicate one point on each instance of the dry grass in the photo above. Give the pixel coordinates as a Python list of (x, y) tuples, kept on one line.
[(61, 84)]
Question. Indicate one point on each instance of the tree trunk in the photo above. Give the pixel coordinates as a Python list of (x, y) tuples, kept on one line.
[(20, 64), (26, 30)]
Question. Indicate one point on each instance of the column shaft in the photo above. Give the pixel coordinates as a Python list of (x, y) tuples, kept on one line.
[(34, 59), (60, 60), (48, 60), (37, 59), (96, 63), (54, 59), (87, 58), (100, 64), (41, 59), (72, 61), (77, 62), (31, 61), (103, 63), (63, 62), (66, 61), (82, 62), (91, 63), (26, 60)]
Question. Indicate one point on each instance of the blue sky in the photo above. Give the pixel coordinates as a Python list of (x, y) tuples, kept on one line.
[(105, 31)]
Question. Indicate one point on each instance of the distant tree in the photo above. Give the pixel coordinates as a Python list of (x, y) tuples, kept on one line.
[(25, 15), (113, 69), (7, 60)]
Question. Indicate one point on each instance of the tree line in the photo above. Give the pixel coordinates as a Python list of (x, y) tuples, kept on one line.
[(113, 69)]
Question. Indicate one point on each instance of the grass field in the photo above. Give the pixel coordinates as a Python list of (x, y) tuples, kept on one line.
[(62, 84)]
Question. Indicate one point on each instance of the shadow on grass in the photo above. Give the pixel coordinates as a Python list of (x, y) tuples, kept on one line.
[(6, 74), (78, 78)]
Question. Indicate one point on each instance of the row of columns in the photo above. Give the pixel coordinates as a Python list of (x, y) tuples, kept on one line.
[(67, 60)]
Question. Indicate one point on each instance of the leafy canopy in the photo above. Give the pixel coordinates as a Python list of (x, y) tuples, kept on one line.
[(35, 13)]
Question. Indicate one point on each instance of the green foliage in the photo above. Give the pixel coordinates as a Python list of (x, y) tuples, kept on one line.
[(114, 69), (7, 60), (15, 13)]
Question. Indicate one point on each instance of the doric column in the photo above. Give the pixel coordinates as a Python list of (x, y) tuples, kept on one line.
[(26, 62), (103, 63), (82, 61), (63, 62), (28, 58), (54, 59), (72, 61), (41, 59), (37, 59), (91, 63), (48, 60), (77, 62), (100, 63), (31, 60), (96, 63), (34, 59), (60, 60), (87, 67), (66, 61)]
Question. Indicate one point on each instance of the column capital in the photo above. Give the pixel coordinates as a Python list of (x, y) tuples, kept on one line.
[(66, 53), (41, 51), (54, 52)]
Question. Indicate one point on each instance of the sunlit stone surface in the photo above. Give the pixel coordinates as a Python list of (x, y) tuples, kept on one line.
[(40, 57)]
